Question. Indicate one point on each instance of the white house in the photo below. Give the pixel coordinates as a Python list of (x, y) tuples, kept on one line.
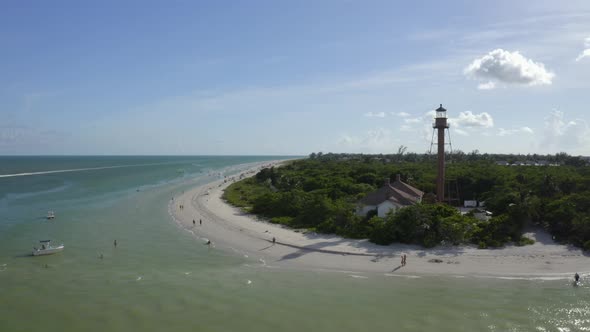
[(390, 197), (472, 206)]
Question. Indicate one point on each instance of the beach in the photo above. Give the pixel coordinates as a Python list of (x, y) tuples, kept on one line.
[(230, 229), (163, 276)]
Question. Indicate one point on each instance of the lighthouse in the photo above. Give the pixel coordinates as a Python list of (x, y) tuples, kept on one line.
[(440, 125)]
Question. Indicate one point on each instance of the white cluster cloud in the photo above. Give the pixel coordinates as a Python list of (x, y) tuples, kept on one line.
[(586, 52), (401, 114), (521, 130), (375, 114), (487, 86), (470, 120), (423, 122), (414, 120), (465, 120), (561, 134), (508, 67)]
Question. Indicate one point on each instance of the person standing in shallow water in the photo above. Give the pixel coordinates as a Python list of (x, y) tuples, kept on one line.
[(115, 243)]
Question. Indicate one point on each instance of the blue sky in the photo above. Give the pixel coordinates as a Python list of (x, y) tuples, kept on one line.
[(292, 77)]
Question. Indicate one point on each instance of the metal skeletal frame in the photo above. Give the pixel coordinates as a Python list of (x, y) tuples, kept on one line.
[(441, 125), (432, 143)]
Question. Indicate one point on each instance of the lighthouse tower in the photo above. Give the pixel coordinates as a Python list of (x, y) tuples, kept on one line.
[(440, 125)]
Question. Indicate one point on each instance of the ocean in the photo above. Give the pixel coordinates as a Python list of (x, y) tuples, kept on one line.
[(160, 278)]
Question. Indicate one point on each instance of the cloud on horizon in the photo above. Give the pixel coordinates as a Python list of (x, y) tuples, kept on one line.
[(375, 114), (562, 134), (374, 140), (507, 67), (406, 128), (414, 120), (465, 120), (460, 132), (21, 138), (469, 120), (401, 114), (586, 52), (522, 130)]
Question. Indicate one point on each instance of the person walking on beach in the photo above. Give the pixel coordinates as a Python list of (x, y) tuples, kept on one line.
[(402, 262), (274, 240), (405, 259), (200, 222), (193, 222)]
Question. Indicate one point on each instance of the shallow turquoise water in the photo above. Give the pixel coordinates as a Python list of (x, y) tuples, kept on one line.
[(159, 278)]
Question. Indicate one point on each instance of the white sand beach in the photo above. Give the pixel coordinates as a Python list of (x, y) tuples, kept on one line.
[(230, 229)]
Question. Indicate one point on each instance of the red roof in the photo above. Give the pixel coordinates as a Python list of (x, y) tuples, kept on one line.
[(399, 192)]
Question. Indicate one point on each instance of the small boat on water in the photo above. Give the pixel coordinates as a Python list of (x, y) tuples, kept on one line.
[(50, 215), (47, 248)]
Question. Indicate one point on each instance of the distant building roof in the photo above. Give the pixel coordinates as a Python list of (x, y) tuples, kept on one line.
[(398, 192)]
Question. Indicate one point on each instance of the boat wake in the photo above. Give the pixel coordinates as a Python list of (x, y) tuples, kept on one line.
[(76, 170)]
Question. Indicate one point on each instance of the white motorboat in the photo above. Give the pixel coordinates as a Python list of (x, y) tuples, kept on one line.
[(47, 248), (50, 215)]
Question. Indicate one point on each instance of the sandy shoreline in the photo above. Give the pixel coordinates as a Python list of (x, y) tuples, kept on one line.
[(230, 229)]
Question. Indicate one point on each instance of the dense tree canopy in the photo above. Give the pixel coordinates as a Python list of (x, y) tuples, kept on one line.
[(322, 191)]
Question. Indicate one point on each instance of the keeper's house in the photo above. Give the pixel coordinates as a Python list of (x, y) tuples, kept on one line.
[(390, 197)]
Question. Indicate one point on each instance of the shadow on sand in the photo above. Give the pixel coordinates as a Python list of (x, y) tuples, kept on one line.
[(318, 247), (266, 247), (397, 268)]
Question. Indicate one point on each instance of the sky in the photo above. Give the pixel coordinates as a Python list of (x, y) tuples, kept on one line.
[(292, 77)]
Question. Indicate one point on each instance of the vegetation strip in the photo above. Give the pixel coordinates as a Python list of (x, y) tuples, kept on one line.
[(322, 194)]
